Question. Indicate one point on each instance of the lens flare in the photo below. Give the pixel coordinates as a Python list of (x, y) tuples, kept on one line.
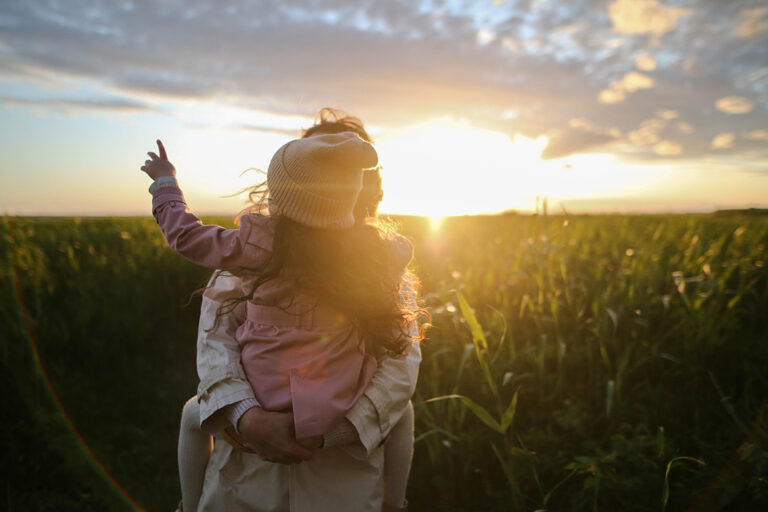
[(23, 321)]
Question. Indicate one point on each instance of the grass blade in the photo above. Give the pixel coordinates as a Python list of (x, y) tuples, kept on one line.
[(665, 491), (478, 338), (509, 414), (477, 409)]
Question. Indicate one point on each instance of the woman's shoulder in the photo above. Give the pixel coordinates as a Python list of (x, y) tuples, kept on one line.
[(222, 285)]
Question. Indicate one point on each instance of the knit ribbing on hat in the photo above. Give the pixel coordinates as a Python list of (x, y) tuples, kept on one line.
[(316, 181)]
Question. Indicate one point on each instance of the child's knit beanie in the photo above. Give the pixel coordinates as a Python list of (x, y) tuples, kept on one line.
[(315, 181)]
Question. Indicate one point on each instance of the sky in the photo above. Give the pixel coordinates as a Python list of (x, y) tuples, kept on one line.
[(475, 106)]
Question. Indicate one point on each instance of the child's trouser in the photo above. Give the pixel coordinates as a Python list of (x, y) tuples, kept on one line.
[(398, 453), (195, 448)]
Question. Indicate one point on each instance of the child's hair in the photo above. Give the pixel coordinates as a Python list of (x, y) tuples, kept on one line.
[(352, 269)]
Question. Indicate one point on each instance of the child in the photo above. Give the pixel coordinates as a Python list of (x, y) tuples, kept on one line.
[(320, 289)]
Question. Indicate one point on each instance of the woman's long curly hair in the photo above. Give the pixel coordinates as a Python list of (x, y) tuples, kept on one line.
[(353, 270)]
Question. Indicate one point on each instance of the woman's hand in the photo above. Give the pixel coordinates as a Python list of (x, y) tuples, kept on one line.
[(272, 436), (158, 166), (311, 443)]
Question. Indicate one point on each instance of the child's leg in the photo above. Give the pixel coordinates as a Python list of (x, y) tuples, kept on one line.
[(194, 450), (398, 452)]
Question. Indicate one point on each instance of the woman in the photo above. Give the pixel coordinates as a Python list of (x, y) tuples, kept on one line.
[(346, 473)]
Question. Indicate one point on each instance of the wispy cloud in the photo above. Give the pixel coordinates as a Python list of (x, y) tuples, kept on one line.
[(753, 22), (70, 105), (734, 105), (263, 129)]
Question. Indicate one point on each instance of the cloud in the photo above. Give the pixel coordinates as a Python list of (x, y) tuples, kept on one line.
[(667, 148), (734, 105), (684, 127), (757, 135), (667, 114), (73, 105), (611, 95), (647, 132), (508, 114), (290, 132), (645, 62), (569, 141), (634, 81), (582, 124), (485, 36), (723, 141), (752, 22), (631, 82), (644, 16)]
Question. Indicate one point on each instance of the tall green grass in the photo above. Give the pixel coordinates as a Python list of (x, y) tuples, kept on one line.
[(599, 351), (580, 363)]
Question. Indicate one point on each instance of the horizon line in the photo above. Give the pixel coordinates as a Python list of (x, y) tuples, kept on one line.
[(761, 210)]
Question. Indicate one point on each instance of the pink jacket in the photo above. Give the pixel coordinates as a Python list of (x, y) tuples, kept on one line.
[(305, 357)]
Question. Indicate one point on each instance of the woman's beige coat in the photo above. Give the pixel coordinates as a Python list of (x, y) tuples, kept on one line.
[(337, 479)]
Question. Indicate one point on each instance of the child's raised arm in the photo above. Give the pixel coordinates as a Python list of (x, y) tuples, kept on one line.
[(210, 246)]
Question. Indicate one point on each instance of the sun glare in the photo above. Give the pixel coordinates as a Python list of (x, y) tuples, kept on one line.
[(448, 167), (435, 222)]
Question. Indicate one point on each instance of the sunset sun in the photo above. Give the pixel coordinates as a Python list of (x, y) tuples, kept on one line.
[(446, 167)]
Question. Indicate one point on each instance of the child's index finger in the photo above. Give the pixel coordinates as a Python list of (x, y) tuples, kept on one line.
[(162, 150)]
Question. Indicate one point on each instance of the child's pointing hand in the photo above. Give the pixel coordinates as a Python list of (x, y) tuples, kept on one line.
[(158, 166)]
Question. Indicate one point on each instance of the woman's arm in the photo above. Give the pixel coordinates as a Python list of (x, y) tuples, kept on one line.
[(385, 398), (222, 379)]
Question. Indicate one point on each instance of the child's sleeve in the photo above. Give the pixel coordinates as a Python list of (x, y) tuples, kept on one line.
[(210, 246)]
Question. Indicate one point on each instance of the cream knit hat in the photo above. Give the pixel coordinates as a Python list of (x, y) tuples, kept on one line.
[(315, 181)]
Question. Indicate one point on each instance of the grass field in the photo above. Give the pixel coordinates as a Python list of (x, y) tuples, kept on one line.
[(576, 364)]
